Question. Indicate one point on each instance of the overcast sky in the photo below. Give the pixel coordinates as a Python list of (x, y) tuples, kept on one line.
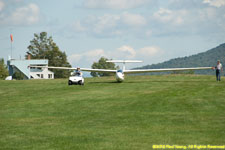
[(148, 30)]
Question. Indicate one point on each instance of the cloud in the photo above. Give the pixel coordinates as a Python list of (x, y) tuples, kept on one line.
[(215, 3), (98, 26), (110, 25), (105, 22), (188, 18), (115, 4), (163, 15), (95, 53), (21, 15), (207, 14), (149, 51), (178, 18), (148, 33), (168, 16), (133, 19), (74, 58), (26, 15), (124, 52), (87, 57), (76, 25), (2, 4)]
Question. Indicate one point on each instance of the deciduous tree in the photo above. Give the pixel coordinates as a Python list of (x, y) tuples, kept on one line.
[(102, 64), (43, 47), (3, 69)]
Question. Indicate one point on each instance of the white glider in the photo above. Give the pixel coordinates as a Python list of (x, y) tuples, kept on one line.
[(121, 72)]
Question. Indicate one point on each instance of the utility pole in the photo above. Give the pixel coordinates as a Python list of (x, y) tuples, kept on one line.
[(11, 38)]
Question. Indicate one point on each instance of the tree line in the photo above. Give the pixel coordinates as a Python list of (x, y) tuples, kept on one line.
[(43, 47)]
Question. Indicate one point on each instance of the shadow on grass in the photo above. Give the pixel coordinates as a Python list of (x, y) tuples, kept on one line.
[(179, 81), (105, 82), (166, 81)]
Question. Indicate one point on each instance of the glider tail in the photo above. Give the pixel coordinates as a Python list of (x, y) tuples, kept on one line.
[(124, 62)]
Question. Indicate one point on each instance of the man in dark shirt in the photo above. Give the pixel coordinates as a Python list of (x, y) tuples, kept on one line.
[(78, 72), (219, 69)]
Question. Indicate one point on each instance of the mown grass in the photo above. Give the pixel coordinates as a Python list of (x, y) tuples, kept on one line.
[(135, 114)]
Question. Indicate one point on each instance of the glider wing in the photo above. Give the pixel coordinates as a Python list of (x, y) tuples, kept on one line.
[(164, 70), (82, 69)]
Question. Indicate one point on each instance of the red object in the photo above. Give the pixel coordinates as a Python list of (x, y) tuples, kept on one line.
[(11, 37)]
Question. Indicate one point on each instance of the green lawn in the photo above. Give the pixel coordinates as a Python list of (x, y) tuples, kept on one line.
[(135, 114)]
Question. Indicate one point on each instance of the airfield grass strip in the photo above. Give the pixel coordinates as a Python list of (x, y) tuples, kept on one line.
[(135, 114)]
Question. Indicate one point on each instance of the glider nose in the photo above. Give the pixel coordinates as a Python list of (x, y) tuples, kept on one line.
[(119, 76)]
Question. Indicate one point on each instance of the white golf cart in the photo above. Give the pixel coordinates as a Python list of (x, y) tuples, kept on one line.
[(76, 79)]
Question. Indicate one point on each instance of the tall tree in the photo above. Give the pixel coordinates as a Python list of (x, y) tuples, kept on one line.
[(102, 64), (3, 69), (43, 47)]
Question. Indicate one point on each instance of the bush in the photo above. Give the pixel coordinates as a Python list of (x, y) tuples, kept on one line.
[(3, 70)]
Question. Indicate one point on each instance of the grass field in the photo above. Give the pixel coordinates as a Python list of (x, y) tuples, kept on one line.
[(135, 114)]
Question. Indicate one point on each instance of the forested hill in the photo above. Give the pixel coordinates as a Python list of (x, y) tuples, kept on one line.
[(204, 59)]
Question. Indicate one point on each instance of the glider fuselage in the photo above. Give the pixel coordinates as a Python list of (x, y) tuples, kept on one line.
[(119, 76)]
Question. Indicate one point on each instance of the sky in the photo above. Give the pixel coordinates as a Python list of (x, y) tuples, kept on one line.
[(150, 30)]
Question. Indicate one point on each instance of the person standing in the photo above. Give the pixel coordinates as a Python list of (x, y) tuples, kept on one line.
[(219, 69)]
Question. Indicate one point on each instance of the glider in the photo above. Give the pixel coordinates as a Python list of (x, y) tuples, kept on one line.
[(120, 74)]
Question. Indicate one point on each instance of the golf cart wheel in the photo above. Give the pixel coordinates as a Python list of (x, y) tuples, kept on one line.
[(80, 82), (70, 82)]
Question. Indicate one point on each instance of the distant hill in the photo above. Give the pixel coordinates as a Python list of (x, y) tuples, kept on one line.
[(204, 59)]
